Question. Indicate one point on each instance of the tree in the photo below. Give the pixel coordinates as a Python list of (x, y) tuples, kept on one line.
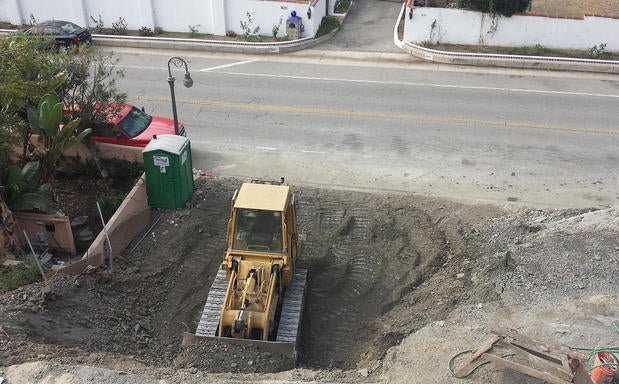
[(30, 67), (90, 91), (46, 120), (27, 71)]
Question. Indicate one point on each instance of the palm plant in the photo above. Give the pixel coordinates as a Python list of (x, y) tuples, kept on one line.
[(46, 120)]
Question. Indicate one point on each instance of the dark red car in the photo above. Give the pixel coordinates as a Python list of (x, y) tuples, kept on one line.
[(133, 127)]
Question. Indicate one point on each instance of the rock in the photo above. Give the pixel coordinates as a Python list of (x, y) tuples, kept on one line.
[(512, 199), (363, 372), (250, 363), (480, 306), (193, 370), (233, 365), (597, 258), (137, 327), (459, 275)]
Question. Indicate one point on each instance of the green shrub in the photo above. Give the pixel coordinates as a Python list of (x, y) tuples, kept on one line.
[(14, 277), (109, 203), (99, 25), (194, 30), (122, 174), (342, 6), (597, 52), (120, 27), (145, 31), (328, 24), (503, 7), (537, 50)]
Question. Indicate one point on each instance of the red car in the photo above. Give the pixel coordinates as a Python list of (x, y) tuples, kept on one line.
[(133, 127)]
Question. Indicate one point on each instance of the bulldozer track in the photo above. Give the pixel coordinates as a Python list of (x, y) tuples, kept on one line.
[(212, 309), (292, 308)]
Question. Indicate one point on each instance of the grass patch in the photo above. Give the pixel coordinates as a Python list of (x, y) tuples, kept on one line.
[(19, 275), (328, 24), (537, 50), (342, 6)]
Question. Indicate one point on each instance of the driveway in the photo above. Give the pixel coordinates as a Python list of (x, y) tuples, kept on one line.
[(368, 27)]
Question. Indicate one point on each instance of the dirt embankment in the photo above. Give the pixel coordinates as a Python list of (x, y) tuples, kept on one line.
[(382, 269)]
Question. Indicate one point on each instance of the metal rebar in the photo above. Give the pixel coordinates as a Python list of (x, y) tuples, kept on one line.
[(109, 243), (34, 255)]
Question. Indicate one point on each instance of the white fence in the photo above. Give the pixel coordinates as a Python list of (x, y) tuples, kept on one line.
[(455, 26), (207, 16)]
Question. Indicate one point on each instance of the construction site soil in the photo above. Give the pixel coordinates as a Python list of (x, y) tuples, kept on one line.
[(384, 270)]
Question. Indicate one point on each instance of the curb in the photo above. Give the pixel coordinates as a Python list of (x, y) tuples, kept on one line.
[(204, 45), (498, 60)]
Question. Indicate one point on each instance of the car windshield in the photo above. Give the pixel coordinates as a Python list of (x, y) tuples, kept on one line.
[(70, 28), (258, 230), (135, 122)]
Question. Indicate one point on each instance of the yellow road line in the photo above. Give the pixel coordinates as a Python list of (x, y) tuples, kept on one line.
[(379, 115)]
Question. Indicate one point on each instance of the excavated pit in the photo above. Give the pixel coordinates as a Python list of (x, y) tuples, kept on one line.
[(375, 263)]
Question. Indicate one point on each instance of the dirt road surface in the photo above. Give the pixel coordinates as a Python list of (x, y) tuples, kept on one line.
[(397, 285)]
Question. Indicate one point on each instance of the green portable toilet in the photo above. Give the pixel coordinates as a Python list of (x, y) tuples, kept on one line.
[(168, 169)]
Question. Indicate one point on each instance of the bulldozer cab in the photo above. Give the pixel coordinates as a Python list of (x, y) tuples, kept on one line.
[(262, 220), (258, 230)]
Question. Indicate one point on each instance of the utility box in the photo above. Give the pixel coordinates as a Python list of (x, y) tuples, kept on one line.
[(294, 26), (168, 170)]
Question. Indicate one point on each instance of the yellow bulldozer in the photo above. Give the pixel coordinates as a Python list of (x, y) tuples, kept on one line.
[(258, 294)]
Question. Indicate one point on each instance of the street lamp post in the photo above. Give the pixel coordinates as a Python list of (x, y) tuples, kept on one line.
[(187, 82)]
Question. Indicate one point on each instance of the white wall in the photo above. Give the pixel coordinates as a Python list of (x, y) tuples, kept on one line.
[(10, 12), (455, 26), (267, 13), (112, 10), (318, 12), (178, 15), (44, 10), (210, 16)]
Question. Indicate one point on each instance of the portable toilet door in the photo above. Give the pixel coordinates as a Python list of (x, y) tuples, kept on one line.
[(167, 160), (185, 172)]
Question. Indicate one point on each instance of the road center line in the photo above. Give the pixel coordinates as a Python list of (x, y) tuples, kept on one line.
[(227, 65), (267, 148), (385, 116), (317, 152)]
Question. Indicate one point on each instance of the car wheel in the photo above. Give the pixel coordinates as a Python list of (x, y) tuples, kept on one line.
[(63, 48)]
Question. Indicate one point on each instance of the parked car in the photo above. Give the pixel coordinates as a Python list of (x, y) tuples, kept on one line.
[(131, 126), (65, 33)]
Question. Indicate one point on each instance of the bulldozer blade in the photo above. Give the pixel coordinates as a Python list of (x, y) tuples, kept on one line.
[(283, 349)]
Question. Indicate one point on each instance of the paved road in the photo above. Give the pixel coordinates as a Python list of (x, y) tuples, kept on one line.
[(538, 138), (368, 27)]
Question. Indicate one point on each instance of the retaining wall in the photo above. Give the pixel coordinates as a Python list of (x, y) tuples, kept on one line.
[(456, 26), (130, 219)]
